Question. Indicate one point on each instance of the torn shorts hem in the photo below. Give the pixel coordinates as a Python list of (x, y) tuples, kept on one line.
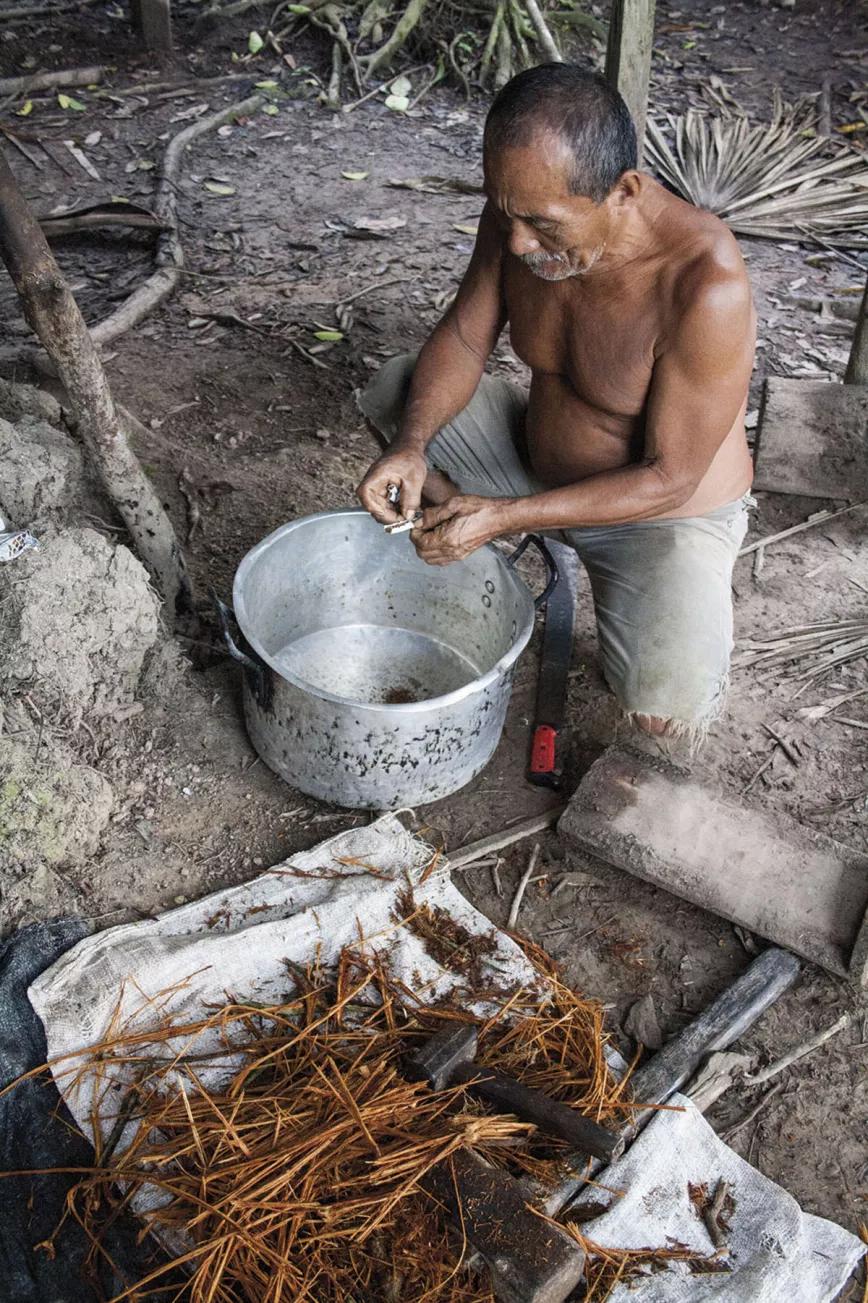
[(692, 731)]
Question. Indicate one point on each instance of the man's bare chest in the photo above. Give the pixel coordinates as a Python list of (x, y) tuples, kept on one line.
[(604, 347)]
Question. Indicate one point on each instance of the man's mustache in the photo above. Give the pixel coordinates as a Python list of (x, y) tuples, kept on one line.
[(540, 259)]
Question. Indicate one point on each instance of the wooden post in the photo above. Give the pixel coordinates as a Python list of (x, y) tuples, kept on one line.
[(628, 57), (53, 314), (857, 366), (153, 18)]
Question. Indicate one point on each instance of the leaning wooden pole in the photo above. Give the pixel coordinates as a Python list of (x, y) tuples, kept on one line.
[(53, 314), (628, 57)]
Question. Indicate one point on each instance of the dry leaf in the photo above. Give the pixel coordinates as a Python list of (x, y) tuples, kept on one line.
[(218, 188), (355, 176)]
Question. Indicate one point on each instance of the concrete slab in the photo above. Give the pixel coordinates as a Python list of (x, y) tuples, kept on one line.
[(766, 872)]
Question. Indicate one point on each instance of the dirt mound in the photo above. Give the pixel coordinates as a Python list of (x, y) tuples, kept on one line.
[(81, 617), (51, 813)]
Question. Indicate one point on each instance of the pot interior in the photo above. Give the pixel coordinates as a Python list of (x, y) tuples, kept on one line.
[(334, 603)]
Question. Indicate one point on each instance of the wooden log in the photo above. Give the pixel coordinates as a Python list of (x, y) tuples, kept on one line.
[(628, 57), (509, 1095), (50, 80), (53, 313), (857, 365), (530, 1260)]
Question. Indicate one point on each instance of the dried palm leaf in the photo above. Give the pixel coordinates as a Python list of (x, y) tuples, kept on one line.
[(825, 646), (779, 179)]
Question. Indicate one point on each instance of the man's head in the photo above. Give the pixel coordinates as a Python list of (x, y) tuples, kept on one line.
[(560, 160)]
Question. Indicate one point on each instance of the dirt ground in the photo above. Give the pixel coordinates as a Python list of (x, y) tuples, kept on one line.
[(243, 424)]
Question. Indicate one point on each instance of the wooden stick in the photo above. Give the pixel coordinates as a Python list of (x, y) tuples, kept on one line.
[(496, 842), (521, 889), (49, 80), (799, 1051), (819, 519), (731, 1132), (170, 256), (53, 313)]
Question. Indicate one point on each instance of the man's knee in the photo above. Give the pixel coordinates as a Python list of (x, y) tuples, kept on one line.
[(384, 397)]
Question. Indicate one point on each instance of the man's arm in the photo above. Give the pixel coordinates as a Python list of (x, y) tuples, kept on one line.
[(448, 370), (698, 386)]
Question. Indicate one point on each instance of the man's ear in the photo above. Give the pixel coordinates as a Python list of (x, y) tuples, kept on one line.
[(626, 189)]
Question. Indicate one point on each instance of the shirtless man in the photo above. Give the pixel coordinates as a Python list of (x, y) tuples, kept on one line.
[(633, 311)]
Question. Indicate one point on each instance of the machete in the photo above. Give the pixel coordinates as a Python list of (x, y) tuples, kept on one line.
[(546, 758)]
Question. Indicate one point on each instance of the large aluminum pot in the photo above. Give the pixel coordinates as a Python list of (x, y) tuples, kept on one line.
[(372, 680)]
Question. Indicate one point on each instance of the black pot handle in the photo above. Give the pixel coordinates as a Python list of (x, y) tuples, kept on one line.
[(257, 673), (550, 564)]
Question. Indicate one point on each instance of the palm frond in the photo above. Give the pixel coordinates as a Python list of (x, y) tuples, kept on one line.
[(811, 650), (778, 179)]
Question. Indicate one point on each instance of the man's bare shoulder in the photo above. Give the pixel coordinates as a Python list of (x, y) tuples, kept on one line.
[(706, 264)]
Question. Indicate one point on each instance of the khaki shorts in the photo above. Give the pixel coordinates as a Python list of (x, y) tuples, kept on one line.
[(662, 588)]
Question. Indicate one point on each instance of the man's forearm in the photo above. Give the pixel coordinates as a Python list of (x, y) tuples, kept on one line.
[(610, 498), (444, 381)]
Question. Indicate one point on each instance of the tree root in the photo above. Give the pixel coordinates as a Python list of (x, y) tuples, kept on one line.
[(170, 255), (402, 29)]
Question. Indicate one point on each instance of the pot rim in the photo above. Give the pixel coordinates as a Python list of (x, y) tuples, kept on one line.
[(475, 686)]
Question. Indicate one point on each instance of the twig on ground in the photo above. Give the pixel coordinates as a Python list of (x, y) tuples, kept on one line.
[(733, 1131), (787, 747), (711, 1215), (512, 918), (800, 1051), (497, 841), (819, 518), (758, 773)]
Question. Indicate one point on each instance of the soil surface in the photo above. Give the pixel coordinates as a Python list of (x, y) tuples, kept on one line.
[(251, 421)]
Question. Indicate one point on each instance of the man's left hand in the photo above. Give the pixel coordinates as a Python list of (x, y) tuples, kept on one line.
[(458, 527)]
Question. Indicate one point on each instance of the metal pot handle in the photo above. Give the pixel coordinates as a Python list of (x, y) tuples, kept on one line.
[(257, 673), (550, 564)]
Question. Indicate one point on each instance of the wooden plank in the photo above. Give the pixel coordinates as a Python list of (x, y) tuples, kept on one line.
[(531, 1260), (767, 873), (812, 438), (628, 57)]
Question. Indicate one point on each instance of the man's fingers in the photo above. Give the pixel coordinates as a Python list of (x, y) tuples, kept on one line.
[(434, 516), (373, 496)]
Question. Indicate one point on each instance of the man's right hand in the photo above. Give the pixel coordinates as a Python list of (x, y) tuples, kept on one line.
[(407, 471)]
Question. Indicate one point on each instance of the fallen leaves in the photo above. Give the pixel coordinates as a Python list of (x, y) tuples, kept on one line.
[(67, 102)]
